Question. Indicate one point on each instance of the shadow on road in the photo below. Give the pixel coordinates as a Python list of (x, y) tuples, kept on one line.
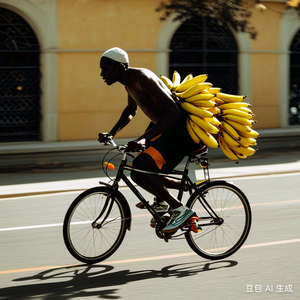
[(77, 281)]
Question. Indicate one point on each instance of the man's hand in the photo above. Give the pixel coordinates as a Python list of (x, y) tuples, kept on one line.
[(104, 136), (136, 146)]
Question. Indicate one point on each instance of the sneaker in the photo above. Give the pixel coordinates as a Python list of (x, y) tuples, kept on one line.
[(160, 208), (178, 217)]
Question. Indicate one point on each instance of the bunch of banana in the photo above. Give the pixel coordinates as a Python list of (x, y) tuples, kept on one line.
[(215, 118), (198, 133), (197, 100), (201, 124), (236, 135)]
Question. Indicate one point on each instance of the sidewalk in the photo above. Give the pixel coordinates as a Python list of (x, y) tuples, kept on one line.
[(37, 168), (17, 190), (17, 156)]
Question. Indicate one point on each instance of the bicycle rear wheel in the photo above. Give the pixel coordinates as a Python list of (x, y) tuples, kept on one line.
[(232, 207), (89, 241)]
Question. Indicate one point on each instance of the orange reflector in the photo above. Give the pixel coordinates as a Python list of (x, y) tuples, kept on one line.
[(110, 166), (193, 223)]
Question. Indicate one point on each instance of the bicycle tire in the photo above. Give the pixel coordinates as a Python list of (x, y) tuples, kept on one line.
[(86, 243), (231, 204)]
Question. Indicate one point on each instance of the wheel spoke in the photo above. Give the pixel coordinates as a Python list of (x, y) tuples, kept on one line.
[(89, 243), (231, 205)]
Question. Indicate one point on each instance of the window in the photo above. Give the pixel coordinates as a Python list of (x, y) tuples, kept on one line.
[(204, 47), (294, 108), (19, 79)]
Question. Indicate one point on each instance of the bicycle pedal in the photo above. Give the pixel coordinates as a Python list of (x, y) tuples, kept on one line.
[(140, 205), (167, 236), (193, 224)]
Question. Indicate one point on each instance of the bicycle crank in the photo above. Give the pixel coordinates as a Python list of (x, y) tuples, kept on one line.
[(160, 226)]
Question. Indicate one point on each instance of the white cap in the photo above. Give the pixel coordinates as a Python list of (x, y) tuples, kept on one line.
[(117, 54)]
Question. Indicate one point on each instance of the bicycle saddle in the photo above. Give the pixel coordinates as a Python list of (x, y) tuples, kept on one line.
[(202, 150)]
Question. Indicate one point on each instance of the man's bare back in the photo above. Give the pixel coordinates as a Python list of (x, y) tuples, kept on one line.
[(143, 99)]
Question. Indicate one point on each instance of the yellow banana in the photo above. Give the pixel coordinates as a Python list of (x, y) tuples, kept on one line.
[(242, 150), (196, 110), (247, 110), (175, 80), (238, 119), (195, 89), (204, 92), (231, 98), (204, 103), (200, 97), (214, 121), (191, 132), (239, 127), (247, 141), (237, 112), (234, 105), (250, 134), (229, 140), (201, 122), (189, 83), (204, 136), (218, 101), (230, 130), (243, 156), (213, 110), (188, 77), (214, 90), (168, 82), (227, 150)]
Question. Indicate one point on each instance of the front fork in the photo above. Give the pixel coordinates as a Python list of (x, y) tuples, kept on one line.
[(107, 205), (109, 200)]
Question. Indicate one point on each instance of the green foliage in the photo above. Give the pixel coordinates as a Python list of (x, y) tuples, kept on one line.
[(225, 12)]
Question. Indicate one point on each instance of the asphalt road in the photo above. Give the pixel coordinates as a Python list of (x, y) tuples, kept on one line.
[(34, 263)]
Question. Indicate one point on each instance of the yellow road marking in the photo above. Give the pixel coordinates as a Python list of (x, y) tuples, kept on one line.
[(151, 258)]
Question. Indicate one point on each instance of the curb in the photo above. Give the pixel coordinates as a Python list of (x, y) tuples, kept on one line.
[(9, 191)]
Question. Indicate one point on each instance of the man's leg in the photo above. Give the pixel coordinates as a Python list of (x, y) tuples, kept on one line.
[(151, 183), (155, 185), (168, 183)]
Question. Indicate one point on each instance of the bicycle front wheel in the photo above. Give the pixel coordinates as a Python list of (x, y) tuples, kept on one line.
[(230, 224), (92, 241)]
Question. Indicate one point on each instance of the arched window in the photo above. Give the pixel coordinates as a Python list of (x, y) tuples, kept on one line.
[(294, 113), (19, 79), (204, 47)]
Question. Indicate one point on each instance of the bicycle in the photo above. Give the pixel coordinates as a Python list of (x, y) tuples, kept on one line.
[(97, 220)]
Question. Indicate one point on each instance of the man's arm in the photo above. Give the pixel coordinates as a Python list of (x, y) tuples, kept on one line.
[(126, 116)]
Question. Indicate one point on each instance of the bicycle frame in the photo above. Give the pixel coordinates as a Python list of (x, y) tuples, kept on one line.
[(183, 181), (121, 176), (219, 233)]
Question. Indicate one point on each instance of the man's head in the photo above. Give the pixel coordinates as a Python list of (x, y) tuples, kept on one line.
[(112, 63)]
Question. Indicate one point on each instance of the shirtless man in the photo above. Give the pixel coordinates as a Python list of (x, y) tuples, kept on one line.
[(166, 138)]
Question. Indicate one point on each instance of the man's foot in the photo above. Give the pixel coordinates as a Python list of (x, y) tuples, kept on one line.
[(178, 217), (160, 208)]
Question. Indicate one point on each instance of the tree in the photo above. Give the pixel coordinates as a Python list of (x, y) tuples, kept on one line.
[(225, 12)]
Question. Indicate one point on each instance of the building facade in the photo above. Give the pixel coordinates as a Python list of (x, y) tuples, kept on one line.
[(64, 40)]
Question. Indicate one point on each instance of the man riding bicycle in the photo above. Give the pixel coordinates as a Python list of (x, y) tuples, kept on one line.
[(166, 140)]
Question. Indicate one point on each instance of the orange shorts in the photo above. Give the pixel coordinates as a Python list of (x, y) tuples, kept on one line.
[(169, 148)]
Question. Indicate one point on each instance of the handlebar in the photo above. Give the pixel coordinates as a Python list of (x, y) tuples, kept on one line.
[(121, 148), (110, 141)]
